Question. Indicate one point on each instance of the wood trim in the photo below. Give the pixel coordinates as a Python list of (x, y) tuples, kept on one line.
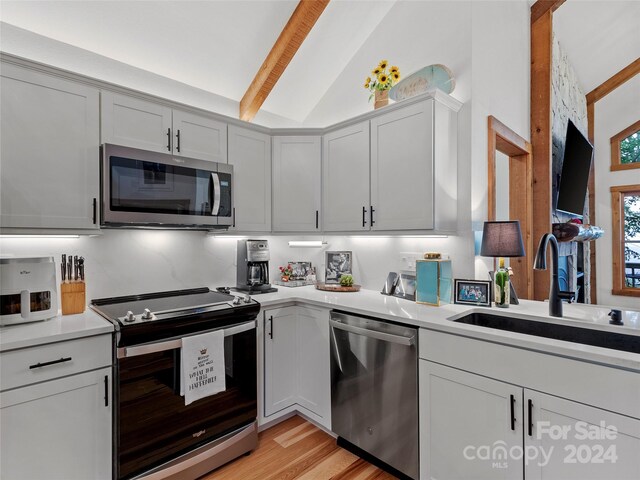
[(614, 82), (617, 239), (540, 104), (541, 7), (615, 148), (593, 278), (502, 139), (295, 31)]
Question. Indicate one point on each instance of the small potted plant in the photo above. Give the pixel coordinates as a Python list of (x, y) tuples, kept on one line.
[(346, 281), (382, 81), (285, 273)]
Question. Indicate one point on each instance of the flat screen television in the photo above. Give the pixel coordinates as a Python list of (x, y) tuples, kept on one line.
[(574, 179)]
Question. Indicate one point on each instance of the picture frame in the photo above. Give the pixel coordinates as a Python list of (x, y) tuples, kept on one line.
[(301, 270), (405, 287), (337, 264), (472, 292)]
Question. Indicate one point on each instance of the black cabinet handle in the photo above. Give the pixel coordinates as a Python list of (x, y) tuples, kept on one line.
[(169, 139), (52, 362), (271, 328), (530, 418), (95, 210), (364, 214), (316, 219), (106, 390), (513, 412), (178, 137), (234, 217), (372, 210)]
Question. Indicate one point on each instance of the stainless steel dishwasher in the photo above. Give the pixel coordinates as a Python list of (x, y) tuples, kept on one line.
[(374, 390)]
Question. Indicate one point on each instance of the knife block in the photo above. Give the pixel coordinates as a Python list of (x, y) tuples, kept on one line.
[(73, 297)]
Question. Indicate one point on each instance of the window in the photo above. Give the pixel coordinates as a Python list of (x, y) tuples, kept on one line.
[(625, 204), (625, 148)]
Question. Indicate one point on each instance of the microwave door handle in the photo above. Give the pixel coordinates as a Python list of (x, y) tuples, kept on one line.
[(215, 204), (25, 303)]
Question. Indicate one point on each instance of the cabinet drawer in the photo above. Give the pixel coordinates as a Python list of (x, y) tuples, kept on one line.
[(46, 362)]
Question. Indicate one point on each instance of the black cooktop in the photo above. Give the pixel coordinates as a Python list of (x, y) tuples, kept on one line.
[(173, 313)]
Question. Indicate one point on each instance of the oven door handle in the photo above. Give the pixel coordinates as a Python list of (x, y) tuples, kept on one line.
[(137, 350)]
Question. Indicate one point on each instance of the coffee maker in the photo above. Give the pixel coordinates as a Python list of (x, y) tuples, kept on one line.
[(253, 267)]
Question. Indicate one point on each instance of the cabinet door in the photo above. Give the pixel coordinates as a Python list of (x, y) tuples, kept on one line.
[(279, 359), (49, 154), (199, 137), (463, 416), (59, 429), (345, 179), (296, 184), (402, 169), (572, 437), (314, 383), (136, 123), (250, 155)]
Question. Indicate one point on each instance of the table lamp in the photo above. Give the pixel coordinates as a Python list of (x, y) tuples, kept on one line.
[(502, 239)]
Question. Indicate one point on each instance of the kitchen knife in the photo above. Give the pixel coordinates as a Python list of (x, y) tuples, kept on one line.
[(75, 268), (69, 266), (81, 268), (64, 267)]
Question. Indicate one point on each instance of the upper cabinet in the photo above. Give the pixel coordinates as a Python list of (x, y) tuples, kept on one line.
[(137, 123), (345, 179), (49, 154), (296, 184), (250, 155)]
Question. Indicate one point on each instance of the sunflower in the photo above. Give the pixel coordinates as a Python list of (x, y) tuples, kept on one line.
[(395, 75), (383, 64), (382, 78), (376, 71), (368, 80), (366, 85), (394, 69)]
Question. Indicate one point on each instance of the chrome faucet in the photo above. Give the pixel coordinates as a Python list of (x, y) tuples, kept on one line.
[(540, 263)]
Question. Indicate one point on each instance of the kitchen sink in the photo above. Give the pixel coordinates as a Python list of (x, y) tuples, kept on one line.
[(568, 333)]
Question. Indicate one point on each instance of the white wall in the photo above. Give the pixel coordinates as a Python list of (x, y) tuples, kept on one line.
[(613, 113)]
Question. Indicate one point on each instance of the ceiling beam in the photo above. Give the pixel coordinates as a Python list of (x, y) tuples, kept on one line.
[(541, 7), (614, 82), (295, 31)]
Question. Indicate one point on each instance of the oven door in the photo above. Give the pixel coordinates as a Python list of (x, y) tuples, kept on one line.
[(153, 425), (154, 189)]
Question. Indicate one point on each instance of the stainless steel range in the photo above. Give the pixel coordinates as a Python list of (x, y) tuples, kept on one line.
[(157, 436)]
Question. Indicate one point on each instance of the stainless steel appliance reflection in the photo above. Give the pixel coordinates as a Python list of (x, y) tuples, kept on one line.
[(374, 390)]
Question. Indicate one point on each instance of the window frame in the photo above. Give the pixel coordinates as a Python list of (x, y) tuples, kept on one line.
[(615, 148), (617, 239)]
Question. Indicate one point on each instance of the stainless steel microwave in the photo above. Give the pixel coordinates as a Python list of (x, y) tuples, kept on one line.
[(148, 189)]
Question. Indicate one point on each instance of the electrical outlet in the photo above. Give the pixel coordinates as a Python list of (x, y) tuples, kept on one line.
[(408, 260)]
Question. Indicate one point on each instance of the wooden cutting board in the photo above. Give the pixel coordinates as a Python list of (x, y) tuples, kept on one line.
[(336, 287)]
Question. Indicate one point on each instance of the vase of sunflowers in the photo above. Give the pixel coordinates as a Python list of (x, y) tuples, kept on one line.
[(382, 81)]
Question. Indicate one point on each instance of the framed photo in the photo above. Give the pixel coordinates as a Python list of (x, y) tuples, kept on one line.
[(472, 292), (336, 265), (301, 270), (405, 287)]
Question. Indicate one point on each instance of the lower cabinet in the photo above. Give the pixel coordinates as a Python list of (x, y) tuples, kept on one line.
[(60, 429), (475, 427), (296, 362)]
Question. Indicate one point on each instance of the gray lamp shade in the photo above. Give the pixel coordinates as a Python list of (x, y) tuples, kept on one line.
[(502, 239)]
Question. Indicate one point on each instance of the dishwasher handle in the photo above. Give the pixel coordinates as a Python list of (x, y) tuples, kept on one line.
[(386, 337)]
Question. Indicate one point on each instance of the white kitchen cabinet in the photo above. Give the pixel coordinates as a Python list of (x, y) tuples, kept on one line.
[(60, 429), (137, 123), (345, 179), (296, 184), (280, 353), (296, 362), (49, 155), (250, 155), (460, 413), (200, 137), (582, 442)]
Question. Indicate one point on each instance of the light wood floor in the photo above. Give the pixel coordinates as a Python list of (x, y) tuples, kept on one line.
[(296, 449)]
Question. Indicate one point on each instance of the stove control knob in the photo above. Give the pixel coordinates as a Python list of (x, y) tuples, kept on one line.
[(237, 301), (130, 317), (247, 298), (147, 314)]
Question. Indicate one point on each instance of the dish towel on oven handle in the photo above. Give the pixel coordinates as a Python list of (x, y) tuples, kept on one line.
[(202, 370)]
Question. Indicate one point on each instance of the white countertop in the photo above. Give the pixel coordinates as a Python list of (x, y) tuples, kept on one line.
[(56, 329), (368, 302)]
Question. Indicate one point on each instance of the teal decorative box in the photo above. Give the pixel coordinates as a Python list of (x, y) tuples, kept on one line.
[(433, 281)]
